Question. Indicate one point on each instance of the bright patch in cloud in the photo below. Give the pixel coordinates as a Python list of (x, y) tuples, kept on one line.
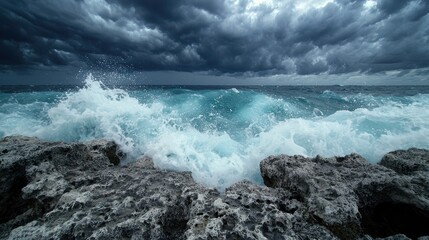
[(370, 4), (305, 5), (261, 2)]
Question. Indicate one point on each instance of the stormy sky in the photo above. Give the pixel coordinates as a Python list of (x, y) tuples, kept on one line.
[(216, 41)]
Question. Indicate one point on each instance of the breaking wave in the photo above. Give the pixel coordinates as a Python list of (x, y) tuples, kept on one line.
[(220, 135)]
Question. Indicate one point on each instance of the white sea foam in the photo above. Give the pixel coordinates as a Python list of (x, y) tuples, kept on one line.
[(169, 128)]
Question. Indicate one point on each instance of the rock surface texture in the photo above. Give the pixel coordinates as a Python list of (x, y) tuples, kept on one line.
[(352, 197), (54, 190)]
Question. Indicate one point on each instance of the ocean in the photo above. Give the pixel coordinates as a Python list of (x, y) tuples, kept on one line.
[(221, 133)]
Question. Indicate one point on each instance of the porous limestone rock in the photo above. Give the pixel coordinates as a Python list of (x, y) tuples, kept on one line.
[(75, 191), (353, 197), (55, 190), (407, 162)]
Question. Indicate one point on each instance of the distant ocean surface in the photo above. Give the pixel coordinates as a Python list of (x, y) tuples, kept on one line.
[(222, 133)]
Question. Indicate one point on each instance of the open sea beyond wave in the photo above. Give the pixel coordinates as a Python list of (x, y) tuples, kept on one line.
[(222, 133)]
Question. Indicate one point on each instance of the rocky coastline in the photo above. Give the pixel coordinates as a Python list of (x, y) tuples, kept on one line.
[(56, 190)]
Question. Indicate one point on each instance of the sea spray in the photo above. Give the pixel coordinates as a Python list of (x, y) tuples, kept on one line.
[(221, 134)]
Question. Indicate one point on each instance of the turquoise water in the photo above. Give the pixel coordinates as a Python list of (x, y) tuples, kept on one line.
[(222, 133)]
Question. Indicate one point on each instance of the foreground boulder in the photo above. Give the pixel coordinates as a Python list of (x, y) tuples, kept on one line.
[(352, 197), (54, 190), (77, 191), (34, 174)]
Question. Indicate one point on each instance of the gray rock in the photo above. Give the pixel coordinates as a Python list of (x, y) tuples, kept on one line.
[(393, 237), (54, 190), (352, 197), (407, 162), (73, 191), (35, 174)]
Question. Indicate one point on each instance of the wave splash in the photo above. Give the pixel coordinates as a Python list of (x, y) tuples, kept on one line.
[(220, 135)]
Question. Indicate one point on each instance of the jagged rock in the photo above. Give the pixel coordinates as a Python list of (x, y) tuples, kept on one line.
[(72, 191), (352, 197), (34, 174), (80, 191), (407, 162)]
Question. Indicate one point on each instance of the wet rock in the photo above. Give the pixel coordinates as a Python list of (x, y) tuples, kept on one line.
[(352, 197), (54, 190), (34, 174), (407, 162), (71, 191)]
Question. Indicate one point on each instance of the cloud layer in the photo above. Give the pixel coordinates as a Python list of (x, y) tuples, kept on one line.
[(235, 37)]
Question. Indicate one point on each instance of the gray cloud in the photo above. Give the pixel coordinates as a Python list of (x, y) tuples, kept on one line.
[(221, 37)]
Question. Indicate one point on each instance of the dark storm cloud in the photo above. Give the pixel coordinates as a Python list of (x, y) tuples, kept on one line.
[(223, 37)]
